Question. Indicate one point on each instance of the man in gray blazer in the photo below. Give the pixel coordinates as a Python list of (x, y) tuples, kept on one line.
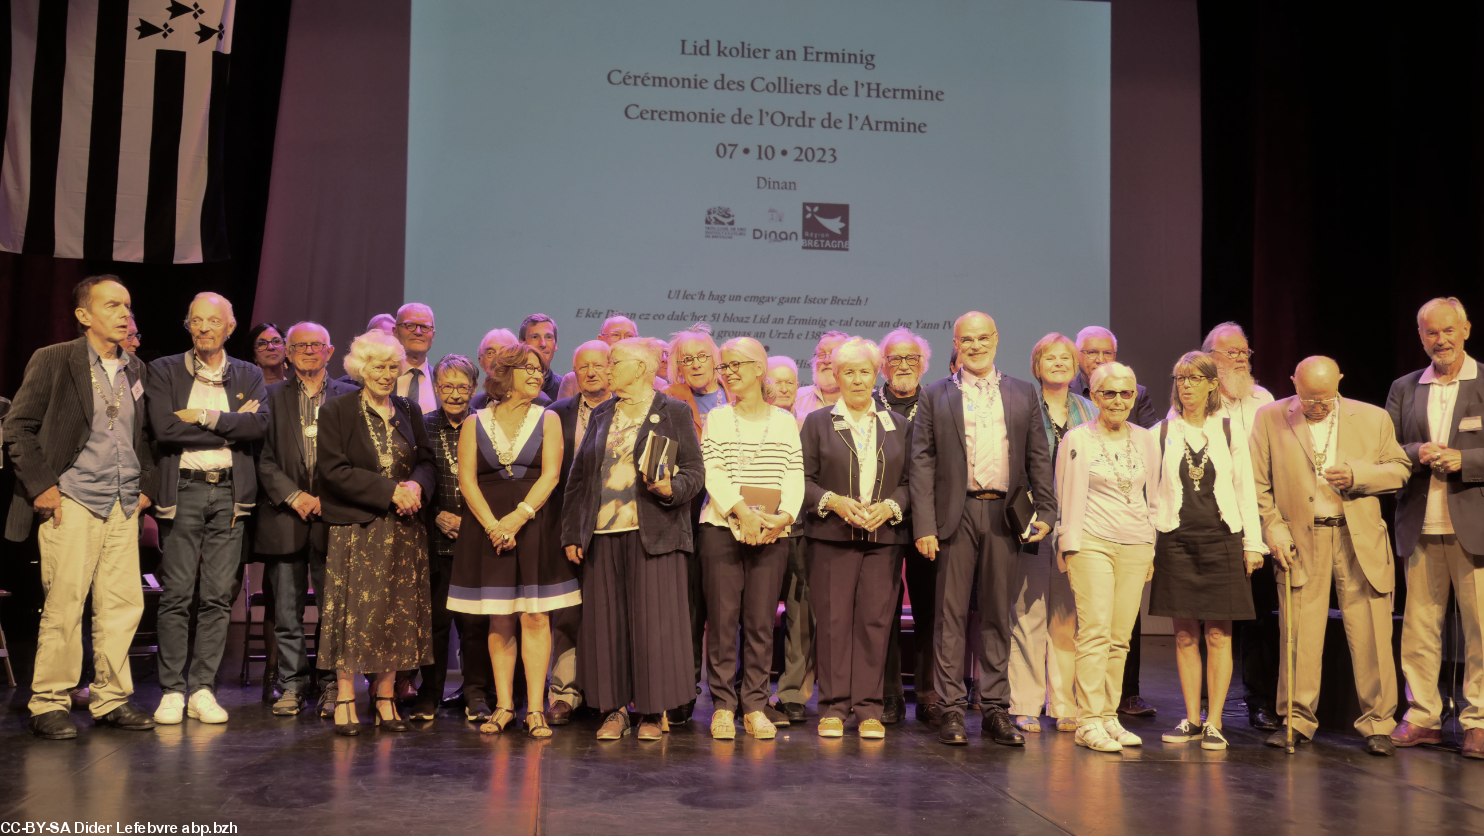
[(75, 438), (977, 439), (1439, 417), (290, 533)]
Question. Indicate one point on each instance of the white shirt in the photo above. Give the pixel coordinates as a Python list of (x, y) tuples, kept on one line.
[(984, 424), (426, 398), (1324, 437), (863, 434), (206, 396), (1236, 493), (1441, 398), (775, 459)]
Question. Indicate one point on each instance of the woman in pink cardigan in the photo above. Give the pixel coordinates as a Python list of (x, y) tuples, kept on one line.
[(1105, 543)]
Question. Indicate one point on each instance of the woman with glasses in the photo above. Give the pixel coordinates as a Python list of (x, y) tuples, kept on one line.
[(855, 492), (631, 534), (507, 560), (1105, 473), (754, 487), (1043, 641), (1209, 543), (268, 352)]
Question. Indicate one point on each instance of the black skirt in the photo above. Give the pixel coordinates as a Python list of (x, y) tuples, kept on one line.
[(1200, 574)]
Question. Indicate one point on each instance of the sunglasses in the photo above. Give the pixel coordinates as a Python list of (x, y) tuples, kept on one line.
[(1110, 394)]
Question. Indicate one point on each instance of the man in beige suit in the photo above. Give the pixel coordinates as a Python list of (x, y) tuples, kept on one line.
[(1319, 462)]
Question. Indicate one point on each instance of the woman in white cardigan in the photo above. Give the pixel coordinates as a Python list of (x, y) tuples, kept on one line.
[(755, 486), (1105, 543), (1210, 541)]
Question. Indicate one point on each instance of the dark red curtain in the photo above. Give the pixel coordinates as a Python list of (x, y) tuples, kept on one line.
[(1343, 163)]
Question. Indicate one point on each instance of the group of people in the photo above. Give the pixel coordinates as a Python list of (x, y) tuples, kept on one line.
[(621, 533)]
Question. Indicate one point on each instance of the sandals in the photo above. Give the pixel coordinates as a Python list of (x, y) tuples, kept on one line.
[(497, 721), (346, 729), (392, 723), (536, 726)]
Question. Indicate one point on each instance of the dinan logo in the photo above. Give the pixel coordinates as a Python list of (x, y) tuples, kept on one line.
[(721, 224), (826, 226)]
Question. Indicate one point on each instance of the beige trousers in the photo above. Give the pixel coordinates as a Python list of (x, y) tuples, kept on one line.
[(1438, 563), (1043, 648), (1108, 584), (85, 554), (1367, 618)]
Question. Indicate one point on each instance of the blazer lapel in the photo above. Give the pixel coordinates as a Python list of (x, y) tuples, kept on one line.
[(404, 425), (1467, 394), (1297, 423), (956, 406), (1419, 410), (1346, 446), (82, 380)]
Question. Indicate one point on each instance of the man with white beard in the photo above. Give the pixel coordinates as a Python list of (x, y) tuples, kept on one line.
[(1241, 397)]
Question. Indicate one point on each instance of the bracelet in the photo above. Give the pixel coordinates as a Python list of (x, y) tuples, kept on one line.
[(528, 509), (490, 528)]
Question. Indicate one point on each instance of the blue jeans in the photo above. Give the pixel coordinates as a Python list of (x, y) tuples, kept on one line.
[(291, 576), (202, 542)]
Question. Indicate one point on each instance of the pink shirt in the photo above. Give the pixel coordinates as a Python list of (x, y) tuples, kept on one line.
[(985, 435)]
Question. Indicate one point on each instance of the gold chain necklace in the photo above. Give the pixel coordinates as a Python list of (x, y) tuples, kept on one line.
[(112, 410), (1197, 471), (1321, 455), (1125, 481), (384, 454), (506, 456)]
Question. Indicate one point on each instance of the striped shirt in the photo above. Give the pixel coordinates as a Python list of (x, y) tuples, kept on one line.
[(775, 462)]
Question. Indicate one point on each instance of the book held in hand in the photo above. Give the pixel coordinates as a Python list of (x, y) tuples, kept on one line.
[(1020, 515), (658, 459)]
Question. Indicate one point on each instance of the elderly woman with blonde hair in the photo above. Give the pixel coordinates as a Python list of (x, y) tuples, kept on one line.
[(1106, 473), (754, 487), (375, 470)]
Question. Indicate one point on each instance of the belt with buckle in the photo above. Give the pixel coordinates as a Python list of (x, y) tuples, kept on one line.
[(210, 477), (1330, 522), (986, 494)]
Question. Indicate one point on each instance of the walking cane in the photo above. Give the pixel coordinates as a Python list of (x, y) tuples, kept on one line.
[(1288, 653)]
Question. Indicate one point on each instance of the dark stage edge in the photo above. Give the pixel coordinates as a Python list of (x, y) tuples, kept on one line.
[(277, 775)]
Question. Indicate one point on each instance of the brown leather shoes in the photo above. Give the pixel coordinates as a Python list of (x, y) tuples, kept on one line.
[(560, 713), (1407, 734), (1473, 744)]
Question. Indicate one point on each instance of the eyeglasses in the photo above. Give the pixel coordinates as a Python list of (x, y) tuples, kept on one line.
[(1110, 394), (314, 347), (196, 322), (1192, 379), (1237, 353), (1099, 355), (417, 327), (695, 359), (276, 342), (591, 367), (965, 342), (909, 360), (528, 369), (1318, 401), (734, 366), (452, 389)]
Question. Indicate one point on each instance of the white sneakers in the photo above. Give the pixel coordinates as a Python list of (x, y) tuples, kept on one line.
[(202, 706), (1094, 737), (723, 725), (1125, 737), (759, 726), (171, 710)]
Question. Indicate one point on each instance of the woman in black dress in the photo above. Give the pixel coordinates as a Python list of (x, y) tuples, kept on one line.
[(507, 561), (1209, 542), (632, 536), (375, 467)]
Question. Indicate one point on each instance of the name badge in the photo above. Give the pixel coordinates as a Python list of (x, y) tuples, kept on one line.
[(1471, 424), (138, 390)]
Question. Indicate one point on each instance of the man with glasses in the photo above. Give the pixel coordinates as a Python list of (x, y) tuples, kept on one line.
[(1440, 522), (204, 410), (904, 360), (590, 371), (290, 534), (1241, 397), (977, 439), (539, 331), (1319, 462), (415, 330), (1095, 346), (454, 378), (826, 389)]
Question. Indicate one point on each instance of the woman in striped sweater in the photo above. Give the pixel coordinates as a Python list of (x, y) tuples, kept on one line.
[(754, 485)]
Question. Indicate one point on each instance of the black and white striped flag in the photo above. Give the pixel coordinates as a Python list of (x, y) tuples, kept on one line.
[(113, 136)]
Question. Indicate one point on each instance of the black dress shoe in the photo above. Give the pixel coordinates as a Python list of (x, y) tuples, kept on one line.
[(776, 716), (126, 717), (1380, 744), (1001, 729), (930, 713), (559, 713), (893, 709), (52, 725), (476, 709), (952, 730), (682, 714), (271, 691), (1279, 739), (794, 711), (1264, 718)]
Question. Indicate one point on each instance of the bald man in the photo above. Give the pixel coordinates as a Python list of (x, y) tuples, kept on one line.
[(1319, 462), (977, 439)]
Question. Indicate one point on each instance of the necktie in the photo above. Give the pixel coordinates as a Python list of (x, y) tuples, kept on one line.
[(983, 456), (415, 389)]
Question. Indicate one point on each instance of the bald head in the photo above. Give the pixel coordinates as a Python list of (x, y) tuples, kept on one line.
[(1317, 382), (976, 337)]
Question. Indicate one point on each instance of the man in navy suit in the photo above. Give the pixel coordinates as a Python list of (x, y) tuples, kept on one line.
[(977, 439), (590, 365), (1439, 418)]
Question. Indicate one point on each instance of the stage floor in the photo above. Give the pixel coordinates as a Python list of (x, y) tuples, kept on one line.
[(266, 774)]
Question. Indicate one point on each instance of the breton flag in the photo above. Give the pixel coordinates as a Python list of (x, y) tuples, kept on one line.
[(113, 134)]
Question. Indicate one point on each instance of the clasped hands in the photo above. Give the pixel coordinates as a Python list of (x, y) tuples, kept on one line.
[(1442, 460), (407, 498), (759, 528), (870, 517)]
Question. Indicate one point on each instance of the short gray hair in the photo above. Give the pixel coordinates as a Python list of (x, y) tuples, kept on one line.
[(906, 335), (826, 337), (414, 306), (646, 350), (306, 324), (1095, 332), (1107, 370), (1433, 304), (857, 347), (590, 345), (456, 364), (499, 336), (371, 347), (215, 299), (776, 360), (1209, 344)]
